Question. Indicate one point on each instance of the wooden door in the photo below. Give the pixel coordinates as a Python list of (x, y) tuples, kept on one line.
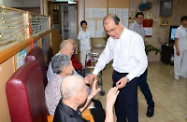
[(54, 12)]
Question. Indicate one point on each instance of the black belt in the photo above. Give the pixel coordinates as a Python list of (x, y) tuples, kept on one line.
[(119, 72)]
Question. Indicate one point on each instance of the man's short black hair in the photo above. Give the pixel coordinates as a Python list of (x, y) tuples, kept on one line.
[(82, 22), (183, 18), (139, 13)]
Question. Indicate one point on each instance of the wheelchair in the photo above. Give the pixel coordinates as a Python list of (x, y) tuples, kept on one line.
[(90, 61)]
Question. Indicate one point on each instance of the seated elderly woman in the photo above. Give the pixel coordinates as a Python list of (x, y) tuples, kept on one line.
[(68, 107), (62, 67)]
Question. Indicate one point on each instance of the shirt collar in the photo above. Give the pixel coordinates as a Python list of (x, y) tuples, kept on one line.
[(124, 29), (58, 76), (184, 28), (137, 24), (84, 31), (69, 110)]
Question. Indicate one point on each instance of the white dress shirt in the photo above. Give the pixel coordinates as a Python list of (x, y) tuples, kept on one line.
[(127, 52)]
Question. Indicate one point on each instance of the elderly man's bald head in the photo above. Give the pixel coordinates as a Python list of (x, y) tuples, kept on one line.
[(65, 43), (67, 47), (71, 86)]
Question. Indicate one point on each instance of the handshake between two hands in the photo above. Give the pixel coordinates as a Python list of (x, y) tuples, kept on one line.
[(112, 94), (91, 78)]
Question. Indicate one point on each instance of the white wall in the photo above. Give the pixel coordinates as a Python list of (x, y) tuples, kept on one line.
[(20, 3), (31, 3)]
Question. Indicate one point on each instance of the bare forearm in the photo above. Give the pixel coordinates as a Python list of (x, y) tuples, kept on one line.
[(109, 115), (87, 103), (91, 43), (176, 44), (111, 98), (78, 44)]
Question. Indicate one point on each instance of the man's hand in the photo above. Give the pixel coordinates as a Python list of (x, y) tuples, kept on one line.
[(121, 83), (94, 90), (89, 79)]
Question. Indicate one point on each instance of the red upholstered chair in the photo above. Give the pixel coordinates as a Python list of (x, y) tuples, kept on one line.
[(25, 94), (37, 54)]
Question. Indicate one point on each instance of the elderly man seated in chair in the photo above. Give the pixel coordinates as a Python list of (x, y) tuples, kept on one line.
[(68, 107), (67, 47)]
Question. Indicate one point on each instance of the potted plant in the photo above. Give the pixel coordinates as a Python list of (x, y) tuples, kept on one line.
[(149, 48)]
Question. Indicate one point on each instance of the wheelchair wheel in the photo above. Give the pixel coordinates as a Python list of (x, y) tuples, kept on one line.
[(102, 93)]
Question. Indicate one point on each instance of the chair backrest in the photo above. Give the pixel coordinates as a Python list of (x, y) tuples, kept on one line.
[(37, 54), (49, 55), (25, 94)]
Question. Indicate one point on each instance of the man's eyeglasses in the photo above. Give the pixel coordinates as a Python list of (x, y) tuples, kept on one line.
[(112, 30)]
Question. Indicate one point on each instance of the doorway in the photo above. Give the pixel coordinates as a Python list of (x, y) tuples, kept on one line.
[(64, 22), (69, 21)]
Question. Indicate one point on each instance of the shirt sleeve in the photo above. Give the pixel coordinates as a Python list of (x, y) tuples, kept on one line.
[(50, 73), (104, 59), (91, 36), (131, 27), (138, 52), (177, 33), (53, 94), (79, 36)]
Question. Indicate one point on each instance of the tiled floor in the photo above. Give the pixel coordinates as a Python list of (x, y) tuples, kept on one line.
[(170, 95)]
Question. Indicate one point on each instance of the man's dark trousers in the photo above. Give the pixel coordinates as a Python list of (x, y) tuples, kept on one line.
[(144, 87), (126, 105)]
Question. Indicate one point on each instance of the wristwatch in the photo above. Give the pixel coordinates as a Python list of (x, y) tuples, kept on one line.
[(128, 80)]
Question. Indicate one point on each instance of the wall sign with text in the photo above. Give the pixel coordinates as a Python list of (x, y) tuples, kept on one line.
[(166, 8)]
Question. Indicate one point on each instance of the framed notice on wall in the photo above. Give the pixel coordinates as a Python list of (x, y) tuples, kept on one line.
[(166, 8)]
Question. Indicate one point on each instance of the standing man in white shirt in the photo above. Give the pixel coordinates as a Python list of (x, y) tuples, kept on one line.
[(137, 27), (84, 42), (180, 46), (127, 50)]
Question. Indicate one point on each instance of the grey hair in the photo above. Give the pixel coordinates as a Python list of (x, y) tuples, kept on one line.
[(59, 62), (71, 85)]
